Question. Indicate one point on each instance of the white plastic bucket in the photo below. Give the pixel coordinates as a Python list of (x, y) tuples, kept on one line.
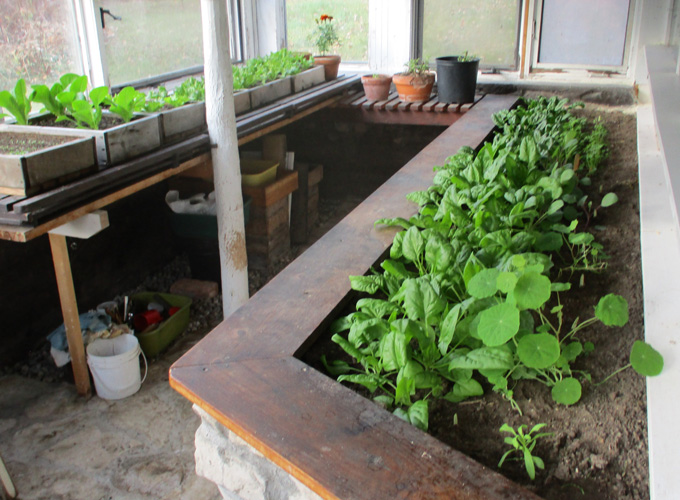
[(114, 364)]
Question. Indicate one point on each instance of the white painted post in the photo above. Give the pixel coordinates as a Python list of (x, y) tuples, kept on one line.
[(219, 106)]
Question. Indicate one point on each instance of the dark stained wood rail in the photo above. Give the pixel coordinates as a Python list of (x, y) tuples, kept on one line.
[(245, 372)]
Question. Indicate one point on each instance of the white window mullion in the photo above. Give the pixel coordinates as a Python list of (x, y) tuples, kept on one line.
[(91, 41)]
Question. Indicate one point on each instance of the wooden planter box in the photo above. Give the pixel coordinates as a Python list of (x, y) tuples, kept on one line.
[(245, 100), (247, 374), (183, 122), (241, 102), (270, 92), (114, 145), (31, 173), (308, 78)]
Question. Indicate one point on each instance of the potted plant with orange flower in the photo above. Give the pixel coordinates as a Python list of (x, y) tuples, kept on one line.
[(325, 38)]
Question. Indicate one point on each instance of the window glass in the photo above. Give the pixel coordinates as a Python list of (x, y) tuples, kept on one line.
[(37, 41), (601, 26), (350, 18), (485, 28), (152, 37)]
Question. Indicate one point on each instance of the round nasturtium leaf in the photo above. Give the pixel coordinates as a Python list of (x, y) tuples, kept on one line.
[(612, 310), (506, 281), (498, 324), (483, 284), (538, 350), (532, 291), (567, 391), (645, 359)]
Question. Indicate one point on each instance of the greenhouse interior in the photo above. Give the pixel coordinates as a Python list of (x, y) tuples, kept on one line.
[(370, 249)]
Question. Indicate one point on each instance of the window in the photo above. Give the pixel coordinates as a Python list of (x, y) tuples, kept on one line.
[(349, 16), (488, 29), (154, 37), (601, 26), (37, 41)]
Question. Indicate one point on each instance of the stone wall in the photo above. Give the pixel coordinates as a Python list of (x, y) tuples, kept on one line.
[(239, 471)]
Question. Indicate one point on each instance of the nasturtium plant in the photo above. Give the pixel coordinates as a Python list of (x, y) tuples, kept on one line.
[(645, 359), (567, 391), (612, 310), (531, 291), (539, 350), (498, 324)]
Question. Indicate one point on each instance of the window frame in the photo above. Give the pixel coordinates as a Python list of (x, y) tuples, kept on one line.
[(419, 29), (237, 42), (535, 41)]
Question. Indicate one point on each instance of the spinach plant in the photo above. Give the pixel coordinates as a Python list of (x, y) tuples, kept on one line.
[(470, 290)]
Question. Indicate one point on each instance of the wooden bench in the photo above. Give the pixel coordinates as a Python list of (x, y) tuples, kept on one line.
[(247, 375)]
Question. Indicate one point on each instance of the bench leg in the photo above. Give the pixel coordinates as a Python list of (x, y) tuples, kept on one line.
[(69, 310)]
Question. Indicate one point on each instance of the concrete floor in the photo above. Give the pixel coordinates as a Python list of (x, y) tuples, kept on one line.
[(57, 445)]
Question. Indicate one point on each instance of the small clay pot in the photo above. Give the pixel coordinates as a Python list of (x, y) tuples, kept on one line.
[(414, 88), (330, 66), (376, 87)]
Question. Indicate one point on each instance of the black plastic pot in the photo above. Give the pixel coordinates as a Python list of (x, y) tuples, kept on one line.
[(456, 80)]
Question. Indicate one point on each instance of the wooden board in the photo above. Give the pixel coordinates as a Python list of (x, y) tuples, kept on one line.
[(246, 375), (286, 183)]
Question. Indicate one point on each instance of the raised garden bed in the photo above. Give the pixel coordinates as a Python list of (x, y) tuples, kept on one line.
[(584, 457), (246, 375), (299, 406)]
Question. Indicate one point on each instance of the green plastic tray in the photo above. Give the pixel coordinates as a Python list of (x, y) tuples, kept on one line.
[(155, 341)]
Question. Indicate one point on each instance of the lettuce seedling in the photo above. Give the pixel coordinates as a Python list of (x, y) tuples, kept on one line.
[(18, 104)]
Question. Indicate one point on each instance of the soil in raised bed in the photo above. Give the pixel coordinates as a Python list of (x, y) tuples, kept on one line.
[(599, 446), (21, 144)]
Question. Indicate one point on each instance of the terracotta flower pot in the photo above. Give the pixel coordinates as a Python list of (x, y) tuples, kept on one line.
[(376, 87), (330, 66), (413, 88)]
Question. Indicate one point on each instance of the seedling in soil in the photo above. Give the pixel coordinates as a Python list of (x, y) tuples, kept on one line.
[(644, 359), (17, 103), (524, 444)]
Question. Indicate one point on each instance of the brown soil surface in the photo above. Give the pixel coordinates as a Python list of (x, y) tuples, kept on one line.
[(598, 449), (21, 144), (108, 121)]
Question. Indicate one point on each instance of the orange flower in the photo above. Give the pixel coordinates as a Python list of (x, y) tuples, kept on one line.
[(325, 17)]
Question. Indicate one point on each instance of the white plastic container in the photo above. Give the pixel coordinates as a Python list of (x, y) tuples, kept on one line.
[(114, 364)]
